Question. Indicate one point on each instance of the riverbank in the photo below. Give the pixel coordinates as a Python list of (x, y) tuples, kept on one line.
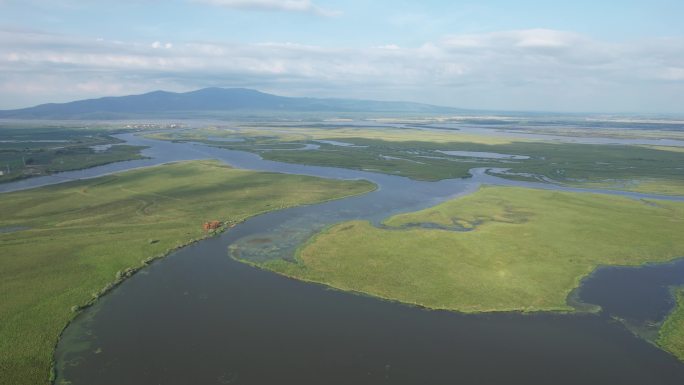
[(87, 234), (671, 337)]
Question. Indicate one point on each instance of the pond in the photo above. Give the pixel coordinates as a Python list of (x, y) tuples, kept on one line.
[(338, 143), (101, 147), (485, 155), (12, 229)]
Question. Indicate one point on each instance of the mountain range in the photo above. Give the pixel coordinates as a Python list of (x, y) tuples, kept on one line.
[(209, 102)]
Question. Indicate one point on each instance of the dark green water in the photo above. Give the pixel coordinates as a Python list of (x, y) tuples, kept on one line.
[(199, 317)]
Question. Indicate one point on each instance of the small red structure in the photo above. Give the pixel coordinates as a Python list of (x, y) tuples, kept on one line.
[(212, 225)]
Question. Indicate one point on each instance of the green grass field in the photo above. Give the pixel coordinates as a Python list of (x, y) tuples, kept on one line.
[(80, 237), (672, 332), (525, 250)]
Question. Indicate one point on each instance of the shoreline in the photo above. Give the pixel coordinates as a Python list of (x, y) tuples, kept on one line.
[(572, 300)]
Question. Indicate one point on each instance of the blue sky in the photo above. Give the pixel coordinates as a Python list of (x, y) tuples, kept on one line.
[(608, 56)]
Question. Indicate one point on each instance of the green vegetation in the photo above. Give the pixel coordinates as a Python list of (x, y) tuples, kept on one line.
[(645, 185), (414, 153), (500, 249), (672, 332), (65, 245), (27, 151), (564, 163)]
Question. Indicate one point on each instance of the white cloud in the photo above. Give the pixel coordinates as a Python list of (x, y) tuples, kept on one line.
[(158, 45), (544, 38), (673, 73), (272, 5), (528, 69), (392, 47)]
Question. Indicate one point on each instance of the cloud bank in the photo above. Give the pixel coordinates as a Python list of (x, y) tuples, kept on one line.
[(535, 69), (272, 5)]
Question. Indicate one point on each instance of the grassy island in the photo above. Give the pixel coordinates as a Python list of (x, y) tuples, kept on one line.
[(500, 249), (64, 245)]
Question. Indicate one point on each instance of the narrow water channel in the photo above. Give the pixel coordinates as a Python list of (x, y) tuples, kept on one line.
[(199, 317)]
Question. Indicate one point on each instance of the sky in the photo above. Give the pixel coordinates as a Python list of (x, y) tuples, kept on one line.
[(574, 56)]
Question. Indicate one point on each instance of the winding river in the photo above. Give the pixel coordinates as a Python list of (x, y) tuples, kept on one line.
[(199, 317)]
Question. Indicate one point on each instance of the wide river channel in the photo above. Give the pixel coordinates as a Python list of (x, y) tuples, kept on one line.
[(200, 317)]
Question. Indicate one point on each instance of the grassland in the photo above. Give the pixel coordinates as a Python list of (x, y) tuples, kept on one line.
[(414, 154), (29, 151), (640, 185), (500, 249), (672, 332), (80, 237)]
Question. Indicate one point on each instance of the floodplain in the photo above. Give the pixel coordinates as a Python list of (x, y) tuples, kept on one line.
[(468, 221), (80, 239)]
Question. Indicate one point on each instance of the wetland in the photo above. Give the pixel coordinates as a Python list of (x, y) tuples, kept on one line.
[(199, 315)]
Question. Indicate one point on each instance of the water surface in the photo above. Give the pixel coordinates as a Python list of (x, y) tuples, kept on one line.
[(201, 318), (338, 143), (486, 155), (640, 296), (12, 229)]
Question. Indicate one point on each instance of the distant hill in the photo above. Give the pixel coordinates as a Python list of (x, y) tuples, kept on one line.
[(205, 103)]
